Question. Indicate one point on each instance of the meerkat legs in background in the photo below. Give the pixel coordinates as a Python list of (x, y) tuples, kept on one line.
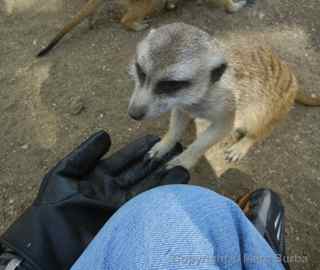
[(136, 13), (87, 11)]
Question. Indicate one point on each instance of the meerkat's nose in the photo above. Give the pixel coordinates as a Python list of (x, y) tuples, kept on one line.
[(137, 113)]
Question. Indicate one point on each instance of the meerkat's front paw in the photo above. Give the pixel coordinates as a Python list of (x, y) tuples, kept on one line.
[(158, 151), (235, 153), (182, 160)]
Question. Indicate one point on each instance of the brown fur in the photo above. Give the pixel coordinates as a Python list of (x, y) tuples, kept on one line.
[(137, 11), (265, 89)]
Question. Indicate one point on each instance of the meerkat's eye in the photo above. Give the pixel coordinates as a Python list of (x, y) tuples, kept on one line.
[(141, 74), (167, 87), (217, 73)]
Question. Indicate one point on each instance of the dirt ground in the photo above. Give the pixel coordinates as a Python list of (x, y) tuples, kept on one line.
[(50, 105)]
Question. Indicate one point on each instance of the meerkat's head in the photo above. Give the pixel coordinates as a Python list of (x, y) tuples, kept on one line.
[(174, 65)]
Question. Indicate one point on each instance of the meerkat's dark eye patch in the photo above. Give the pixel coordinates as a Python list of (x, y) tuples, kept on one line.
[(168, 87), (141, 74), (217, 73)]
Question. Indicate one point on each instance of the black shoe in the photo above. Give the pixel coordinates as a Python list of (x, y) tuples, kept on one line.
[(265, 210)]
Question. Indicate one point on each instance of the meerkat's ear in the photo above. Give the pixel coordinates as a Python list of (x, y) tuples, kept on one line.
[(218, 65), (217, 73)]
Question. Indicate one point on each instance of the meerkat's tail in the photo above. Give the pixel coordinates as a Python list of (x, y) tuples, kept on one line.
[(87, 10), (308, 100)]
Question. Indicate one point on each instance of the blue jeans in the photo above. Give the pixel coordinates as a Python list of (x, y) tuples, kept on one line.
[(178, 227)]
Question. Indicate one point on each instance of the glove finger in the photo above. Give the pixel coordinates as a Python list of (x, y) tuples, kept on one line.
[(128, 155), (139, 170), (85, 157), (176, 175)]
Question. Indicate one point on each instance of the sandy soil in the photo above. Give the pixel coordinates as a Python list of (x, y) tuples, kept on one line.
[(50, 105)]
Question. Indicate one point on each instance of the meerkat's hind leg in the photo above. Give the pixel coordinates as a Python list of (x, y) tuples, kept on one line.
[(238, 150)]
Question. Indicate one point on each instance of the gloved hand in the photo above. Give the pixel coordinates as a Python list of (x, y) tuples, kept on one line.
[(78, 196)]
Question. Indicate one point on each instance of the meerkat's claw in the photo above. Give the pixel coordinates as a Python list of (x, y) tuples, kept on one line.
[(174, 163), (147, 158), (235, 153), (182, 160), (151, 162), (158, 151)]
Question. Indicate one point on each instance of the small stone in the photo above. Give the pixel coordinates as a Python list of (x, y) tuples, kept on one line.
[(76, 106), (11, 201), (101, 115), (261, 15), (25, 146), (35, 42)]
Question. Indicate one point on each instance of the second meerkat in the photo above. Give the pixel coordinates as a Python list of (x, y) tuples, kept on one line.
[(243, 92), (133, 19)]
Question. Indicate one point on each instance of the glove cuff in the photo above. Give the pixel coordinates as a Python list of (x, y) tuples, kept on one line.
[(13, 241), (9, 261)]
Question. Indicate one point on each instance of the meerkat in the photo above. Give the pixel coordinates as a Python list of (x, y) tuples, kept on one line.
[(242, 93), (134, 19)]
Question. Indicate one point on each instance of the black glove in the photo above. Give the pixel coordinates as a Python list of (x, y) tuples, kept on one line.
[(78, 196)]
